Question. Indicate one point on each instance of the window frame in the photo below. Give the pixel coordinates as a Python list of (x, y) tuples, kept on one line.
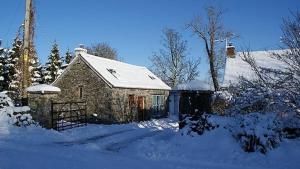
[(158, 103)]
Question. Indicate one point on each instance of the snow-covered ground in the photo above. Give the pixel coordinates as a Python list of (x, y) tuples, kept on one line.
[(153, 144)]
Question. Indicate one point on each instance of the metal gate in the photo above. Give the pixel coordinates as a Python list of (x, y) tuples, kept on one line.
[(67, 115)]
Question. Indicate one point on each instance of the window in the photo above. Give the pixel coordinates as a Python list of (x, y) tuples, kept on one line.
[(151, 77), (157, 105), (131, 100), (113, 72), (80, 92)]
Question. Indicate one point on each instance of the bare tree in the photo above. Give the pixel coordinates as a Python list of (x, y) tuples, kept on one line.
[(276, 89), (210, 32), (287, 78), (103, 50), (170, 63)]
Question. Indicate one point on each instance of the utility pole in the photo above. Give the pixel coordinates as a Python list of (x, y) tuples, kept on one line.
[(26, 48)]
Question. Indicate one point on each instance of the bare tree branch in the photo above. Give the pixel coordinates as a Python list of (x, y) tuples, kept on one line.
[(171, 64), (210, 32), (103, 50)]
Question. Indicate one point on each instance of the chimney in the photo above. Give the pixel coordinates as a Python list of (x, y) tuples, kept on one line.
[(80, 50), (230, 50)]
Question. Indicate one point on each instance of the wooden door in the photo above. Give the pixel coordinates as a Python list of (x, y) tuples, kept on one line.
[(141, 108)]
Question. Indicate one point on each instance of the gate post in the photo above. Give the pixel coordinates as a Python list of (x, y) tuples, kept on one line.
[(40, 99)]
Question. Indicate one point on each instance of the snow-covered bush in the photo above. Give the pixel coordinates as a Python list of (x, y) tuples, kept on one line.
[(197, 124), (19, 116), (220, 101), (256, 132), (254, 97), (256, 128)]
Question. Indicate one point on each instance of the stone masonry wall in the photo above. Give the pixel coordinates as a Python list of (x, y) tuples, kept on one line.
[(40, 105), (95, 91), (120, 103)]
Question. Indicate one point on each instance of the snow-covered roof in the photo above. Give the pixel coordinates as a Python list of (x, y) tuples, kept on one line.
[(123, 75), (236, 67), (42, 88), (195, 85)]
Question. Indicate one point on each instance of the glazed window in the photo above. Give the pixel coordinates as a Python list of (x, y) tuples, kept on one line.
[(151, 77), (131, 100), (113, 72), (158, 103)]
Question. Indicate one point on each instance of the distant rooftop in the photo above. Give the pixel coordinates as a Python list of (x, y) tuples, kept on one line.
[(236, 67)]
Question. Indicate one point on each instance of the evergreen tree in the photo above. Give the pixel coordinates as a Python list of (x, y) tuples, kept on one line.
[(35, 71), (68, 57), (54, 65), (35, 67), (2, 63), (42, 71), (12, 68)]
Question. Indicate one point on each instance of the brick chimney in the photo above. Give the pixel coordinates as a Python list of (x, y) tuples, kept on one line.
[(80, 50), (230, 50)]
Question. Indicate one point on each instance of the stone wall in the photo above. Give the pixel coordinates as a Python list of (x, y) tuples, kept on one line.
[(104, 104), (125, 113), (40, 105)]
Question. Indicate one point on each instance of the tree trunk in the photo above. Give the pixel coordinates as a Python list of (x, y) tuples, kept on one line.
[(214, 74)]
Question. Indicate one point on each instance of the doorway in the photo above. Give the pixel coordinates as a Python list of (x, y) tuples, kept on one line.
[(141, 108)]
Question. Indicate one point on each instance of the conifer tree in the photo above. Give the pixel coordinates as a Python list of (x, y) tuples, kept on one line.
[(12, 68), (2, 60), (35, 70), (68, 57), (54, 65), (41, 71), (35, 67)]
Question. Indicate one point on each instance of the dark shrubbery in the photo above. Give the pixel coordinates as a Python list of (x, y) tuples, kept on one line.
[(196, 124)]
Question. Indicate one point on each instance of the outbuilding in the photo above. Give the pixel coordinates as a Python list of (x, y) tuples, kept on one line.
[(191, 98)]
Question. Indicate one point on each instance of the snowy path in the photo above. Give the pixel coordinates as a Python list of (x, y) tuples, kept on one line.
[(146, 145), (91, 139), (116, 146)]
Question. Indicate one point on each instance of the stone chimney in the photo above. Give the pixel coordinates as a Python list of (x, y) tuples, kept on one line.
[(80, 50), (230, 50)]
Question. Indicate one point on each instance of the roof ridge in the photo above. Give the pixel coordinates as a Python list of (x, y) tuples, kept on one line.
[(111, 60)]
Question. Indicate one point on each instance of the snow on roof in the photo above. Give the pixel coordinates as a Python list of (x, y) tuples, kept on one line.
[(195, 85), (236, 67), (43, 88), (124, 75)]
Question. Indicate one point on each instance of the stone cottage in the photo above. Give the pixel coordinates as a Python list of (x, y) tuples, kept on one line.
[(115, 92)]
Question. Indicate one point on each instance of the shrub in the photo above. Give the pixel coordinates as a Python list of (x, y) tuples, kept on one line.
[(196, 124), (19, 116), (256, 132)]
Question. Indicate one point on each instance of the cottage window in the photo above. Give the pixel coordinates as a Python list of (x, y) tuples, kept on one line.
[(113, 72), (151, 77), (80, 92), (131, 100), (157, 104)]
